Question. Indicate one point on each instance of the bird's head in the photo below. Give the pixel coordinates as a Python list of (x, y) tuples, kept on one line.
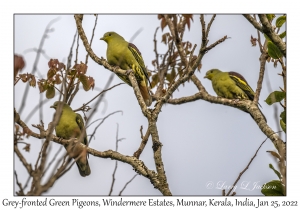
[(108, 36), (211, 73), (57, 103)]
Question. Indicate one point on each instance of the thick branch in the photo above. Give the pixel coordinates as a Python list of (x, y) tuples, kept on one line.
[(267, 29), (263, 59), (245, 105), (103, 62), (138, 165), (157, 146)]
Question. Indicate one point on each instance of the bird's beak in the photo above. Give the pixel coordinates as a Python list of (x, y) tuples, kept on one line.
[(102, 38), (52, 107), (205, 76)]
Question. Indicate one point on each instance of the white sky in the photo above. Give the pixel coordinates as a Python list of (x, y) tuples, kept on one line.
[(202, 141)]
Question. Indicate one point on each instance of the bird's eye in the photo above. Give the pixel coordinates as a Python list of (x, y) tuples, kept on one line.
[(109, 34)]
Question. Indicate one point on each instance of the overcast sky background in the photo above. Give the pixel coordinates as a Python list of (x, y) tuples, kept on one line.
[(202, 142)]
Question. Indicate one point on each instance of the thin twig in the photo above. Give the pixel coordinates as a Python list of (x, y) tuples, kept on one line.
[(91, 41), (143, 143), (36, 61), (94, 132), (243, 171), (21, 191), (85, 104), (120, 193)]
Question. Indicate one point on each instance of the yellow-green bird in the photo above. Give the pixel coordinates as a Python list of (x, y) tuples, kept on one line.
[(231, 85), (127, 56), (71, 125)]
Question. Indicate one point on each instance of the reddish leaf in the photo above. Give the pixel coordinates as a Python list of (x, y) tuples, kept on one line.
[(32, 82), (80, 68), (57, 79), (41, 86), (91, 82), (27, 131), (253, 41), (187, 20), (27, 148), (19, 64), (53, 63), (24, 77), (51, 72), (163, 24), (164, 37), (61, 66)]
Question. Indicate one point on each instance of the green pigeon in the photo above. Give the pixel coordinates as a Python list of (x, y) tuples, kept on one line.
[(71, 125), (231, 85), (127, 56)]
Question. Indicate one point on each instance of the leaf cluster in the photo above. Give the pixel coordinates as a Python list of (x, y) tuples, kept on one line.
[(57, 72), (169, 65)]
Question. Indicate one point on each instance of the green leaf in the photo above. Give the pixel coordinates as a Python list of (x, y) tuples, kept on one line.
[(270, 17), (275, 171), (275, 96), (266, 37), (155, 80), (282, 35), (283, 125), (84, 80), (272, 188), (50, 93), (280, 21), (273, 50), (283, 116), (170, 77)]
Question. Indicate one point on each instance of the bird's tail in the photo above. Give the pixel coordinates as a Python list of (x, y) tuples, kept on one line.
[(83, 167), (145, 93), (80, 155)]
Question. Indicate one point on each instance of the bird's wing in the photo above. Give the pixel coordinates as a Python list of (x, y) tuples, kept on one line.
[(138, 57), (242, 83), (80, 123)]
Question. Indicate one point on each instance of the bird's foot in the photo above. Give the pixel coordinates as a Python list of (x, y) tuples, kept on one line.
[(128, 72), (236, 100), (115, 68)]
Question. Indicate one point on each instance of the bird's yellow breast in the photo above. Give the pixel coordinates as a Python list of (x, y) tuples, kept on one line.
[(67, 127)]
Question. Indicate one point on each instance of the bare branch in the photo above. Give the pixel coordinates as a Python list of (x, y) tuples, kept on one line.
[(85, 104), (143, 143), (91, 41), (94, 132), (243, 171), (263, 59), (21, 191), (267, 29), (120, 193), (37, 58)]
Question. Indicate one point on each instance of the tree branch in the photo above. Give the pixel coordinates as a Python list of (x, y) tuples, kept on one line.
[(267, 29)]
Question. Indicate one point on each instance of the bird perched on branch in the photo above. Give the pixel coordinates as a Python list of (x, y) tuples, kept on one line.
[(231, 85), (127, 56), (71, 125)]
